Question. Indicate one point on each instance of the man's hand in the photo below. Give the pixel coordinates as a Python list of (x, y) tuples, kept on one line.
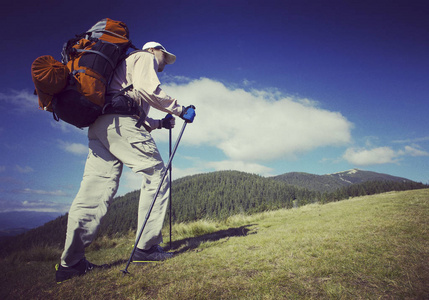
[(188, 114), (168, 122)]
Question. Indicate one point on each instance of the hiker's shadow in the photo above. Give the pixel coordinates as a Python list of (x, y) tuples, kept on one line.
[(187, 244)]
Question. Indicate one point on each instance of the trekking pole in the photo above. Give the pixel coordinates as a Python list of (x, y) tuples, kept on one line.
[(125, 271), (170, 169)]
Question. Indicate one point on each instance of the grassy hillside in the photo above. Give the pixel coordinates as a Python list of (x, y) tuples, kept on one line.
[(367, 247), (215, 196)]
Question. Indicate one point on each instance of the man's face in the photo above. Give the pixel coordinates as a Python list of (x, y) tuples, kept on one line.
[(160, 58)]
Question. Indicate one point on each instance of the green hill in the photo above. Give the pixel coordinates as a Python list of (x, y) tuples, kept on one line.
[(367, 247)]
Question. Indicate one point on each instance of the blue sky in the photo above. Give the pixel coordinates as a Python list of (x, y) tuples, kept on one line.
[(280, 86)]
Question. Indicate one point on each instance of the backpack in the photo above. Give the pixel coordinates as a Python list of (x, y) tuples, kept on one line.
[(74, 90)]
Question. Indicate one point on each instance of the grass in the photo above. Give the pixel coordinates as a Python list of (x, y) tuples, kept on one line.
[(362, 248)]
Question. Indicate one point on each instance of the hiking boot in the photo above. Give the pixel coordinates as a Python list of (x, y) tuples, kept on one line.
[(82, 267), (155, 253)]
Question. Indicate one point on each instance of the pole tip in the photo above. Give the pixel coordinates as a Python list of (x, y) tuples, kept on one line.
[(125, 272)]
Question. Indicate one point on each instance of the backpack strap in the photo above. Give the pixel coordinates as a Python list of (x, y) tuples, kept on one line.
[(141, 120), (99, 53), (119, 103)]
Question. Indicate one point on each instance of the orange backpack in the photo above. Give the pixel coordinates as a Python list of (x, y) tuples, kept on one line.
[(75, 89)]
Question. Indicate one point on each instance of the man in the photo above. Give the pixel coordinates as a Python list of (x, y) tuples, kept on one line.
[(115, 140)]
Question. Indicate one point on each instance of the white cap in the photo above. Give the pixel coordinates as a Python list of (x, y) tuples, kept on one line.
[(171, 58)]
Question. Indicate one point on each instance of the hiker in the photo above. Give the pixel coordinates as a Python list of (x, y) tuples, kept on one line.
[(114, 141)]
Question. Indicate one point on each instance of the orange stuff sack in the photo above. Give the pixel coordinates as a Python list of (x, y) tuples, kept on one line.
[(49, 77)]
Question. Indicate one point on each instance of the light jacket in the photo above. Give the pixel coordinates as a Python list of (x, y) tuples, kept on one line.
[(140, 70)]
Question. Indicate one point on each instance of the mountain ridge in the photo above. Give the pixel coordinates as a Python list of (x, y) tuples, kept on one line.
[(16, 222), (333, 181)]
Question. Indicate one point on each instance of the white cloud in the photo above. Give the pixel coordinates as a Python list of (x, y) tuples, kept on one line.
[(75, 148), (257, 125), (41, 206), (363, 157), (130, 180), (183, 172), (380, 155), (21, 101), (24, 170), (36, 206), (240, 166), (414, 140), (67, 128), (413, 151), (42, 192)]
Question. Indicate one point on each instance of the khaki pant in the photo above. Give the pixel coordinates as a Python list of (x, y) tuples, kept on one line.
[(114, 141)]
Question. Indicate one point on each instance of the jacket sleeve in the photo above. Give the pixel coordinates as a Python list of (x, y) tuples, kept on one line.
[(147, 88)]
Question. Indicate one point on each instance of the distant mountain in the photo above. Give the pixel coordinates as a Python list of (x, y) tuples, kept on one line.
[(17, 222), (331, 182)]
